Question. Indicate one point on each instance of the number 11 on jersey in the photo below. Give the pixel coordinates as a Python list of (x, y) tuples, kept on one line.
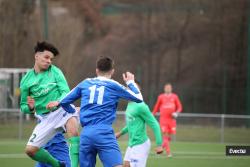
[(93, 90)]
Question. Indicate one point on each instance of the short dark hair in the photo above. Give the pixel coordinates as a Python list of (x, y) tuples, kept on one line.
[(42, 46), (105, 64)]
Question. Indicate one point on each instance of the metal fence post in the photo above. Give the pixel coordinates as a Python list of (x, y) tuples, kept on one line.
[(20, 128), (222, 130)]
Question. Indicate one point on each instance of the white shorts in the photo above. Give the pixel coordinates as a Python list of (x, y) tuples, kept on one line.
[(49, 124), (137, 155)]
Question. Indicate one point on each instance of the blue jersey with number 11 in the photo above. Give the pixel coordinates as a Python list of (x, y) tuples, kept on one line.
[(99, 99)]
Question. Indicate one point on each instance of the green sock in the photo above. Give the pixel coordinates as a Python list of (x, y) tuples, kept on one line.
[(44, 156), (74, 150)]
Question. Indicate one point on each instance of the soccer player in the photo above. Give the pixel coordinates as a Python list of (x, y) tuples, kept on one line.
[(58, 148), (99, 99), (137, 116), (169, 105), (42, 84)]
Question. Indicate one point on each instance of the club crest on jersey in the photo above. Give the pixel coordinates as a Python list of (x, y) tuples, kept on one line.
[(130, 118)]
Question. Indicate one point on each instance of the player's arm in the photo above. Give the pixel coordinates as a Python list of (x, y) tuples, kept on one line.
[(132, 93), (178, 107), (122, 132), (61, 83), (178, 104), (157, 105), (73, 95), (152, 123), (25, 100)]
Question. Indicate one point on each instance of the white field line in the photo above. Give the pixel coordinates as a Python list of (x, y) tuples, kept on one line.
[(13, 156)]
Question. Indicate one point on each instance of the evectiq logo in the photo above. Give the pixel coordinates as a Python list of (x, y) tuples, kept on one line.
[(237, 150)]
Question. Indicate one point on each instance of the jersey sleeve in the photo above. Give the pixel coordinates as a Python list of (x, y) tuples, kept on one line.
[(157, 105), (23, 100), (124, 130), (61, 84), (132, 93), (152, 123), (178, 104), (73, 95)]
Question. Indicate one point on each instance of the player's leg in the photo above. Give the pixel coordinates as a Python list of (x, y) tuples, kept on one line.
[(170, 130), (43, 156), (87, 153), (73, 139), (166, 143), (139, 154), (166, 138), (126, 164), (69, 122), (127, 157), (107, 146), (111, 155), (40, 137), (58, 148)]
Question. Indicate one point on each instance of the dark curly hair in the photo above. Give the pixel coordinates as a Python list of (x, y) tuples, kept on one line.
[(42, 46)]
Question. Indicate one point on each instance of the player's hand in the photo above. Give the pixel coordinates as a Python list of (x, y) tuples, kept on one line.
[(31, 102), (159, 149), (78, 109), (118, 134), (175, 115), (128, 76), (52, 104)]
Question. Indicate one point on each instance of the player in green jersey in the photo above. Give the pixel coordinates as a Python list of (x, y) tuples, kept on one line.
[(137, 116), (42, 84)]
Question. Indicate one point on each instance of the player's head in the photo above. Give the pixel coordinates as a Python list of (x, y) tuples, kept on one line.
[(105, 67), (44, 54), (168, 88)]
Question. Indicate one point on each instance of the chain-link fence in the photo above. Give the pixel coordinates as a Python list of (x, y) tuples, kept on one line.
[(190, 127)]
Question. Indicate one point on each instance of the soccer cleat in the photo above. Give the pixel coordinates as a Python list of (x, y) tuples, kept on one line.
[(62, 164), (169, 155)]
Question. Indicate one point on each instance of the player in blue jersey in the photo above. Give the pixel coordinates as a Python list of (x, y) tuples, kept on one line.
[(99, 99), (58, 148)]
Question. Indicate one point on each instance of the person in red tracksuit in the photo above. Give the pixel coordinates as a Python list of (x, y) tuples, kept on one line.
[(169, 105)]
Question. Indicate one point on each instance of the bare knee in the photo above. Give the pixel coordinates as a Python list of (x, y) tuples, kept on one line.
[(72, 127), (126, 164), (31, 150)]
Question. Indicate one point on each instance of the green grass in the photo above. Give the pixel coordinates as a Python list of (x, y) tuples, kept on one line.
[(185, 133), (212, 134), (185, 154), (196, 146)]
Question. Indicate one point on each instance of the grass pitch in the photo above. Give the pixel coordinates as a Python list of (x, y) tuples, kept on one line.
[(185, 154)]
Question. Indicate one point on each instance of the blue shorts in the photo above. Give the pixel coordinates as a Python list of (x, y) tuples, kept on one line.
[(99, 139), (60, 151)]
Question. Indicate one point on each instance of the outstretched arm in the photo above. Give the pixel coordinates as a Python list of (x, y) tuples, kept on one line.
[(73, 95), (131, 93), (122, 132)]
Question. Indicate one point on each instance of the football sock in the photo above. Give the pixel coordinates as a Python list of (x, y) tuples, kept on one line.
[(44, 156), (166, 144), (74, 150)]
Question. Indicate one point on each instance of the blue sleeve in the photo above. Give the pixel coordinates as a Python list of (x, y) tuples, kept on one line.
[(132, 94), (72, 96)]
